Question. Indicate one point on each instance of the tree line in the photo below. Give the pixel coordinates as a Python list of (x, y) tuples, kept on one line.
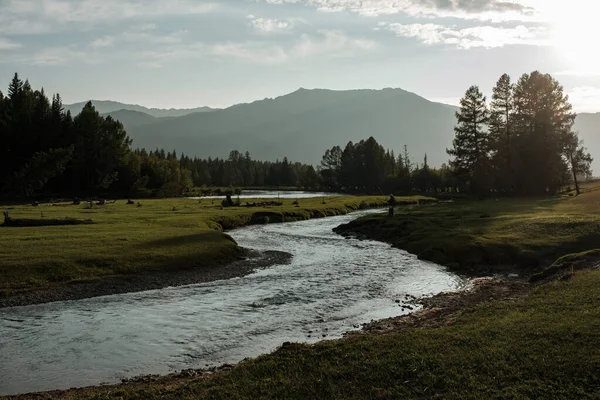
[(367, 167), (48, 152), (522, 143)]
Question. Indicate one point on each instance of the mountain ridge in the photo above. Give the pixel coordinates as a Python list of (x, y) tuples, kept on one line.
[(109, 106), (302, 124)]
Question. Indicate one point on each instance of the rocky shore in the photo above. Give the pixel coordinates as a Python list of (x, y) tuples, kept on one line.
[(148, 281), (443, 308)]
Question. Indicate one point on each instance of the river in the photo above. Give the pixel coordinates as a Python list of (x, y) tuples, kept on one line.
[(331, 286), (274, 194)]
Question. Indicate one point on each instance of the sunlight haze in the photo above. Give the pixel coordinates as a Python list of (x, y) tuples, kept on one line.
[(190, 53)]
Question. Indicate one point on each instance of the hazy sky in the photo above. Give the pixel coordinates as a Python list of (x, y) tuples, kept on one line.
[(187, 53)]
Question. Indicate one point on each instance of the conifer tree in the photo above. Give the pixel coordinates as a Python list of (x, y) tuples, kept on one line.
[(501, 110), (542, 122), (471, 141)]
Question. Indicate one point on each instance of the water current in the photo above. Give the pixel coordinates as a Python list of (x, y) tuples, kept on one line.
[(332, 285)]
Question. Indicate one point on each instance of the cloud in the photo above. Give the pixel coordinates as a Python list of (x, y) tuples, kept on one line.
[(20, 17), (326, 43), (144, 27), (466, 38), (268, 25), (496, 10), (585, 98), (585, 71), (105, 41), (53, 56), (254, 52), (332, 43), (136, 36), (6, 44)]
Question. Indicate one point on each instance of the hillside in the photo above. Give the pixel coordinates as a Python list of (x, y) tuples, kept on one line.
[(105, 107), (588, 126), (131, 118), (302, 124)]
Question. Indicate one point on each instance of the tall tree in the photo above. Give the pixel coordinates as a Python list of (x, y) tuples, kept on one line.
[(471, 141), (407, 162), (101, 148), (501, 109), (542, 122), (331, 165)]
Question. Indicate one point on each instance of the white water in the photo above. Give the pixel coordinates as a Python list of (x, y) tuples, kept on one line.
[(331, 286)]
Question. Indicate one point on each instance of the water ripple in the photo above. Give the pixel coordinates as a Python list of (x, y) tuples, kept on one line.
[(331, 286)]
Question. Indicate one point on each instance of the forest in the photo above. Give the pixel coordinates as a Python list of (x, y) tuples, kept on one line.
[(521, 143)]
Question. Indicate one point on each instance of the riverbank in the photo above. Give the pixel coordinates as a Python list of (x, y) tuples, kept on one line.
[(137, 246), (502, 338), (152, 280), (493, 236)]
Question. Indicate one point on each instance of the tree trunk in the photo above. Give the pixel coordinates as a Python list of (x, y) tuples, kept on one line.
[(574, 170)]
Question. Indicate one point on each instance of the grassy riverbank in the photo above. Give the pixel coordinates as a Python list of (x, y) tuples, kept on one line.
[(543, 345), (478, 237), (124, 239)]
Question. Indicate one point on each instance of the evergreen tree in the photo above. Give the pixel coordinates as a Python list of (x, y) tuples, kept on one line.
[(101, 148), (331, 166), (542, 121), (407, 162), (471, 142), (501, 110)]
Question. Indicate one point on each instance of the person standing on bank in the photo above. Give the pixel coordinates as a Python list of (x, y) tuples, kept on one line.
[(392, 203)]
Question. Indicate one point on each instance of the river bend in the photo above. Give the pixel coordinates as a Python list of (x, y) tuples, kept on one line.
[(331, 286)]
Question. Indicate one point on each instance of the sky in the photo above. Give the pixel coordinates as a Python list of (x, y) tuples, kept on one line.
[(190, 53)]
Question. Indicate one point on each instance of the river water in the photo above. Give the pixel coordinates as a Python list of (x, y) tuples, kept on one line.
[(331, 286), (274, 194)]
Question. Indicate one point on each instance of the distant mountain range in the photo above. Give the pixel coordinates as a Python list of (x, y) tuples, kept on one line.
[(303, 124), (105, 107)]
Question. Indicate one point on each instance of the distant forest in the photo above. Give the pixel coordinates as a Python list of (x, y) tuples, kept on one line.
[(521, 144)]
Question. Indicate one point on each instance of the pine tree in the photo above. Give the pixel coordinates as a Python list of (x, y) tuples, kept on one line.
[(407, 162), (471, 142), (501, 109), (15, 88), (542, 122)]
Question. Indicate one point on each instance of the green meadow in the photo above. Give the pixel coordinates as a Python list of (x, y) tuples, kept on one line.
[(479, 237), (162, 234), (542, 344)]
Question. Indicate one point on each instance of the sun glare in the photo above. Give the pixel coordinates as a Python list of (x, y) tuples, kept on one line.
[(574, 27)]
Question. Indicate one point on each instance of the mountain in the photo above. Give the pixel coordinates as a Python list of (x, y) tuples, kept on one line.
[(131, 119), (303, 124), (588, 126), (105, 107)]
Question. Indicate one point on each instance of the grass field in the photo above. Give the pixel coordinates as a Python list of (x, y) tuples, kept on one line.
[(543, 346), (125, 239), (482, 236)]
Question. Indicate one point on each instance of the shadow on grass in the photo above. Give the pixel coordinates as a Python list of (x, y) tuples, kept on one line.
[(208, 237), (479, 237)]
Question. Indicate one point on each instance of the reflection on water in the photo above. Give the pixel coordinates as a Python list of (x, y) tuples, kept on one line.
[(273, 194), (331, 285)]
